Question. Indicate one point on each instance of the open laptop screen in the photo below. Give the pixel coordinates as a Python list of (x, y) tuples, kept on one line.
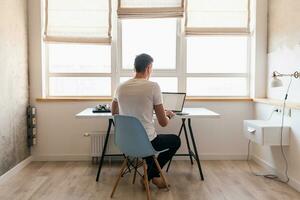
[(173, 101)]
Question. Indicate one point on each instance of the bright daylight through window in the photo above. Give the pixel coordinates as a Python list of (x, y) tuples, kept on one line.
[(207, 58)]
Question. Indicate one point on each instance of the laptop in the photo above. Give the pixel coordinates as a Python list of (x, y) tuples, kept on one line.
[(174, 101)]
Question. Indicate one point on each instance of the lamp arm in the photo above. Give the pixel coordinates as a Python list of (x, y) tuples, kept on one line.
[(296, 74)]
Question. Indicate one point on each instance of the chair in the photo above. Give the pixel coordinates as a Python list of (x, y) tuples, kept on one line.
[(132, 140)]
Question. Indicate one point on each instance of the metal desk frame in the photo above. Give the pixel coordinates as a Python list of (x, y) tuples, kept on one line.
[(192, 148)]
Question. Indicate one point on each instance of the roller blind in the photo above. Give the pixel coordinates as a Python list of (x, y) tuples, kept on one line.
[(87, 21), (217, 16), (150, 8)]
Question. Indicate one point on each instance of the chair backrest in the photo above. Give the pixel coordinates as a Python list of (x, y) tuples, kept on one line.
[(131, 137)]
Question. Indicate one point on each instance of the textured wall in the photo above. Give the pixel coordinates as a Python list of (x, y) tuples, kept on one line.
[(284, 44), (284, 24), (13, 83)]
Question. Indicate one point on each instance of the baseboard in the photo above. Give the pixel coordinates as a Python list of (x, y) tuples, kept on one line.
[(13, 171), (209, 156), (86, 157), (263, 163), (63, 157), (293, 182)]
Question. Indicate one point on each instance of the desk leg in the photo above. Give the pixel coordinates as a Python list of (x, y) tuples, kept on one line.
[(187, 141), (110, 122), (195, 149), (178, 136)]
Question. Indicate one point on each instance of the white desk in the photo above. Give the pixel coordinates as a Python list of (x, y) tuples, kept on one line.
[(192, 113)]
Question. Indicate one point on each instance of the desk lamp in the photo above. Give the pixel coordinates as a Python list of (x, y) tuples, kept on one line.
[(276, 82)]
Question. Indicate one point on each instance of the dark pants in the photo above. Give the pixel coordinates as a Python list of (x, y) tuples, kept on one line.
[(161, 142)]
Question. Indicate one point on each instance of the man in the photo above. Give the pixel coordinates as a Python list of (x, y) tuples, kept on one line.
[(138, 97)]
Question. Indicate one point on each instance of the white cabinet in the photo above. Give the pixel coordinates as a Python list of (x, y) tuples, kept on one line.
[(266, 132)]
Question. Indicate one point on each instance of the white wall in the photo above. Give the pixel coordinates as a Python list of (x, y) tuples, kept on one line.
[(271, 156), (284, 56), (60, 134)]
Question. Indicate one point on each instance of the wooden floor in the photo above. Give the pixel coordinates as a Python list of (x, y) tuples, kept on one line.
[(228, 180)]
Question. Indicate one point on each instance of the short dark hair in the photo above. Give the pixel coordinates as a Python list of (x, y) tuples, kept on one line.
[(141, 62)]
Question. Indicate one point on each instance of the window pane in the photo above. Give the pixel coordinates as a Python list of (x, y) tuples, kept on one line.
[(123, 79), (76, 58), (217, 54), (208, 86), (156, 37), (167, 84), (79, 86)]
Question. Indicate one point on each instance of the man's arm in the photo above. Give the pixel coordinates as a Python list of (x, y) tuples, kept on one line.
[(162, 115), (114, 108)]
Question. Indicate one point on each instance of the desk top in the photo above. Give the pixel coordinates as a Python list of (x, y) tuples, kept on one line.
[(192, 113)]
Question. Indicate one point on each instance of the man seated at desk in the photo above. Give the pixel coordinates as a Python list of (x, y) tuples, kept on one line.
[(138, 97)]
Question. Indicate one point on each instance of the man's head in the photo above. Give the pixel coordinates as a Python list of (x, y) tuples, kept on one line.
[(143, 64)]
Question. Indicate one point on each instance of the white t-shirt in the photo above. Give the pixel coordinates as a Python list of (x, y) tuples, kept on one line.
[(137, 97)]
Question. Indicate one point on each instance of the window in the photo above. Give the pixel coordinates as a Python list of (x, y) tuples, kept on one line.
[(156, 37), (77, 46), (79, 86), (200, 57), (217, 48), (76, 58), (217, 66), (167, 84), (79, 70), (216, 86), (217, 54)]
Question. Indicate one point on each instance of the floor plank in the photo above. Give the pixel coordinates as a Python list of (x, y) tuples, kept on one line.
[(224, 180)]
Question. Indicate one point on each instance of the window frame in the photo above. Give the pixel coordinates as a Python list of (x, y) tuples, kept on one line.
[(116, 72), (49, 74), (156, 72), (221, 75)]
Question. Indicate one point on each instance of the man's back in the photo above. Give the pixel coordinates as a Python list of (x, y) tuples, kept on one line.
[(137, 97)]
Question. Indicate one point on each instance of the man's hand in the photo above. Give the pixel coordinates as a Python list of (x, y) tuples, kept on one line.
[(170, 114)]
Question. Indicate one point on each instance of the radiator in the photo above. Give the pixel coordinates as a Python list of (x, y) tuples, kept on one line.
[(97, 144)]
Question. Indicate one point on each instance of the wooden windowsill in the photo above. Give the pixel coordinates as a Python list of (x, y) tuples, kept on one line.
[(195, 99), (70, 99), (109, 99), (273, 102), (276, 102)]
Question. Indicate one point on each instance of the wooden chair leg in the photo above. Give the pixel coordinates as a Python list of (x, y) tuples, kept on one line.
[(119, 177), (146, 182), (161, 173), (135, 170)]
